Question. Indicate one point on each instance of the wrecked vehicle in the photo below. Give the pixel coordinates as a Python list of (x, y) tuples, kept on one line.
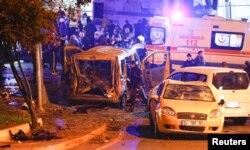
[(99, 74)]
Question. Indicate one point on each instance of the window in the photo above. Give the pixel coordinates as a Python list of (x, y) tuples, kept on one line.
[(156, 36), (230, 81), (227, 40), (160, 89), (194, 77), (188, 92), (158, 59), (188, 76), (176, 76)]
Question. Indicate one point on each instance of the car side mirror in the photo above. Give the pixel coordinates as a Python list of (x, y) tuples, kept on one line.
[(222, 102)]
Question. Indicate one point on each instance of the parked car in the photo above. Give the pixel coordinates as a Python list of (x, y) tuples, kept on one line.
[(231, 85), (185, 107)]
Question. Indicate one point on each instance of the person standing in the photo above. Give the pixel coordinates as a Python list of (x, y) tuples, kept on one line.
[(129, 26), (199, 59), (110, 28), (135, 81), (63, 36), (90, 29), (189, 62)]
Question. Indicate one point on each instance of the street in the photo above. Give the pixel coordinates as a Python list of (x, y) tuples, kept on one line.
[(136, 135), (135, 132)]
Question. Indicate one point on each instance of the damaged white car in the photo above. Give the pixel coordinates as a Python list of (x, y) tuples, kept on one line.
[(186, 107)]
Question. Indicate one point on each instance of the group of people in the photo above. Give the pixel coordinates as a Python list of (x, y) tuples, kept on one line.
[(198, 61), (82, 32)]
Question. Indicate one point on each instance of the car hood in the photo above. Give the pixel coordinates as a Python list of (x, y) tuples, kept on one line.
[(190, 106)]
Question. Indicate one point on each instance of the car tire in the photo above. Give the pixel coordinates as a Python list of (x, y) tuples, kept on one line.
[(157, 133), (240, 121), (151, 122)]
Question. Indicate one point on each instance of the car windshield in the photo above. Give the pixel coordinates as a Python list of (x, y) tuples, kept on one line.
[(230, 81), (188, 92)]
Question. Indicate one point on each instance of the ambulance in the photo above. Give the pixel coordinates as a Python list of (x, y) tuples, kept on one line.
[(220, 39)]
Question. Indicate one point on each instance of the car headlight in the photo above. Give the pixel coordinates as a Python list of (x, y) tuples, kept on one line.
[(214, 113), (167, 111)]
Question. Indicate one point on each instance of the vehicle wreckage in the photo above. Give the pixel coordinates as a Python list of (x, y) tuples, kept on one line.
[(100, 74)]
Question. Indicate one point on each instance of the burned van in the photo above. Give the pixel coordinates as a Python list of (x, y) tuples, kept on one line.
[(100, 74)]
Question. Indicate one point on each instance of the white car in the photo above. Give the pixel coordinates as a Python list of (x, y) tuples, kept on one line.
[(231, 85), (186, 107)]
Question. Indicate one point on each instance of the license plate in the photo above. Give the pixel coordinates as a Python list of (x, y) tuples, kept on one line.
[(190, 123)]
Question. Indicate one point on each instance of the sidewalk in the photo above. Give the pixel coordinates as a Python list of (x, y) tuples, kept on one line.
[(60, 144)]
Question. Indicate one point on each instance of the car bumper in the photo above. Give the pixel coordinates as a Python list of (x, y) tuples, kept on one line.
[(172, 124)]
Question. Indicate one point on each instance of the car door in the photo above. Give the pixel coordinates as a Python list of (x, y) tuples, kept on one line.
[(67, 57), (155, 68)]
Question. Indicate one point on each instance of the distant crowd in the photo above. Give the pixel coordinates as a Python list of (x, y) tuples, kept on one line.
[(82, 32)]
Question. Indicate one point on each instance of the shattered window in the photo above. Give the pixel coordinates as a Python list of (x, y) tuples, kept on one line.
[(95, 76), (188, 92)]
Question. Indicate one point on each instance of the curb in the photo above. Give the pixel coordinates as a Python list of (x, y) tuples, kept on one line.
[(118, 139), (64, 144), (25, 127), (77, 141), (5, 135)]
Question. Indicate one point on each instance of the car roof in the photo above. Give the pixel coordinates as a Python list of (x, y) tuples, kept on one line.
[(170, 81), (207, 69), (104, 51)]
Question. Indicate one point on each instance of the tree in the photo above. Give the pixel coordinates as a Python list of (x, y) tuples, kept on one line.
[(26, 22)]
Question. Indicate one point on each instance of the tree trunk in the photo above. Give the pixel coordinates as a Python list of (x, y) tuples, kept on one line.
[(27, 97)]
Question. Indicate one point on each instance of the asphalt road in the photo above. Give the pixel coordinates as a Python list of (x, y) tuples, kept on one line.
[(136, 135)]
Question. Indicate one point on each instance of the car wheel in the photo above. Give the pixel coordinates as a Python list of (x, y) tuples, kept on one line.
[(240, 121), (151, 122), (151, 112), (157, 133)]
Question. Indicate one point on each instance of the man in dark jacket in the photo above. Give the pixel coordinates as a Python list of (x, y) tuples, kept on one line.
[(199, 59), (135, 81), (189, 62), (128, 25)]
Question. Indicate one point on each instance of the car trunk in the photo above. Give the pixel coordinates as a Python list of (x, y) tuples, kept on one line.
[(94, 77)]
